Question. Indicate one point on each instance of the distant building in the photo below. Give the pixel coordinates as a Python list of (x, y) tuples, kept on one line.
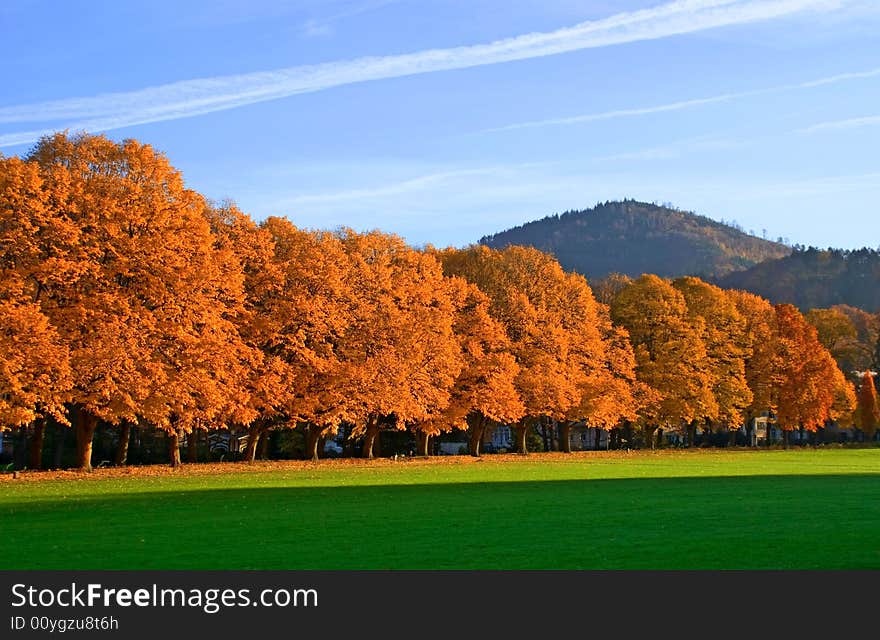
[(500, 438)]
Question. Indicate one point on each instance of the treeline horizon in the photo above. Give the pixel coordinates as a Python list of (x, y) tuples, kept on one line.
[(127, 299)]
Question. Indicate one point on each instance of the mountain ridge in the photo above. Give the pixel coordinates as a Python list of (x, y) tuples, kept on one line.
[(633, 237)]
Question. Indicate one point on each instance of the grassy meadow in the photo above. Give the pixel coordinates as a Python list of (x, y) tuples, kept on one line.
[(734, 509)]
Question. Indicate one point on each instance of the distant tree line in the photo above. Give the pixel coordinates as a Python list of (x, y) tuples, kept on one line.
[(815, 278), (130, 303)]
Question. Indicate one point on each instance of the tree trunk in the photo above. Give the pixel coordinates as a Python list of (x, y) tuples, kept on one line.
[(422, 441), (659, 439), (707, 434), (785, 440), (475, 435), (36, 448), (121, 457), (250, 450), (626, 433), (597, 444), (521, 431), (731, 437), (649, 436), (85, 433), (264, 444), (60, 434), (545, 435), (313, 438), (692, 434), (613, 438), (19, 453), (749, 428), (565, 436), (192, 446), (370, 437), (173, 447)]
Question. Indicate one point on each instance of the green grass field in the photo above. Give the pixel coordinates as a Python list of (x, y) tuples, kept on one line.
[(801, 509)]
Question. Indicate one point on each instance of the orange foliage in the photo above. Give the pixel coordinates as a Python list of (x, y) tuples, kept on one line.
[(126, 297), (724, 332), (810, 387), (399, 355), (671, 355), (867, 412), (34, 367), (486, 384)]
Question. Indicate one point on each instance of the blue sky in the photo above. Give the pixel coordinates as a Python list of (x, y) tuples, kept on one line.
[(444, 120)]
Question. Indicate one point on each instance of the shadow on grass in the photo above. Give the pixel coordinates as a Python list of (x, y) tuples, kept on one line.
[(742, 522)]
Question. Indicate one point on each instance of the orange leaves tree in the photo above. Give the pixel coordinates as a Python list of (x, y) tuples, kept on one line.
[(34, 372), (810, 389), (612, 392), (302, 318), (399, 356), (485, 389), (837, 332), (35, 375), (761, 363), (205, 365), (261, 385), (724, 333), (867, 412), (671, 356), (133, 282), (58, 199), (551, 321)]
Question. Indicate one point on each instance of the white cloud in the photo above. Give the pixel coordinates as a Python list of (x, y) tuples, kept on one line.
[(839, 125), (806, 188), (679, 148), (616, 113), (315, 29), (195, 97), (320, 27)]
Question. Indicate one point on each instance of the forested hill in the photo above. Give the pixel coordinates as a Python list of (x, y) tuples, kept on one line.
[(633, 238), (811, 278)]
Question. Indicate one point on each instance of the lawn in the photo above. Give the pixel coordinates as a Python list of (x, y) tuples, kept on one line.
[(740, 509)]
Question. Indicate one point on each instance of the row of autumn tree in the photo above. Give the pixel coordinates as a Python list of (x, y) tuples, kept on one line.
[(126, 298)]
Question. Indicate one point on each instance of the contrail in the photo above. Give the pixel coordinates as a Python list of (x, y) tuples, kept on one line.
[(684, 104), (836, 125), (195, 97)]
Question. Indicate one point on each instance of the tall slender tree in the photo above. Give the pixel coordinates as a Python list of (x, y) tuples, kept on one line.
[(875, 357), (762, 364), (810, 383), (867, 412)]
